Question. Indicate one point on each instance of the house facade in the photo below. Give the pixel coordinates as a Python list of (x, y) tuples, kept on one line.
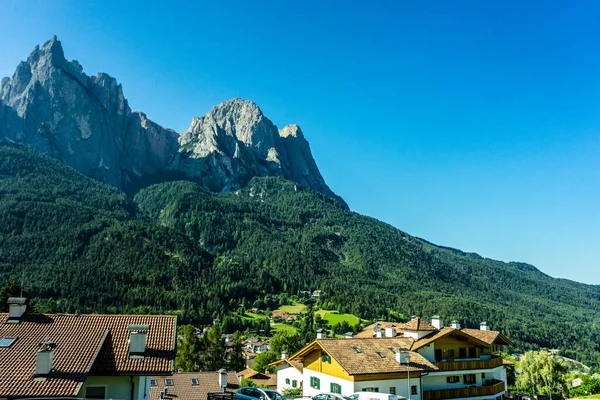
[(82, 356), (417, 360)]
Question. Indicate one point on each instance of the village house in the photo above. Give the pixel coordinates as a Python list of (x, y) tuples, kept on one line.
[(417, 360), (190, 385), (279, 316), (255, 345), (82, 356), (259, 378)]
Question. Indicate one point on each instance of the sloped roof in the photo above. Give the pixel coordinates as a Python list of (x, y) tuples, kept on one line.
[(258, 377), (419, 324), (489, 337), (85, 344), (373, 356), (294, 363), (369, 331), (183, 389), (444, 332)]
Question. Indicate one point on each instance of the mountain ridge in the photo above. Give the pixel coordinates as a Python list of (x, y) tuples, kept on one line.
[(86, 122)]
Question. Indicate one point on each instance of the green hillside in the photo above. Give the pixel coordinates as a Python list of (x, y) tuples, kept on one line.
[(175, 247)]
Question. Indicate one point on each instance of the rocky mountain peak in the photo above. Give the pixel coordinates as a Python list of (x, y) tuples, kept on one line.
[(85, 121)]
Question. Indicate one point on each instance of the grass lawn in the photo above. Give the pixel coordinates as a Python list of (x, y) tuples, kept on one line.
[(594, 396), (283, 327), (298, 308), (333, 317)]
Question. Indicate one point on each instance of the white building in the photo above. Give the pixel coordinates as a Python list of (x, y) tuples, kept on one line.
[(416, 360)]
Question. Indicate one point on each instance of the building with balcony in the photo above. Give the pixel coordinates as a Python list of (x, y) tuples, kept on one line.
[(420, 360)]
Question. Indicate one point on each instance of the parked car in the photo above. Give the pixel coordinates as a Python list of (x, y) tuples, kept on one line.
[(330, 396), (375, 396), (252, 393)]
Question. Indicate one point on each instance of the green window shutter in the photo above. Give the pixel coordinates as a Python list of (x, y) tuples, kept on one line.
[(311, 381), (318, 383), (331, 387), (329, 359)]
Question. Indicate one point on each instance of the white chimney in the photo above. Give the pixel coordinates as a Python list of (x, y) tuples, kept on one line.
[(137, 341), (348, 335), (402, 356), (321, 334), (390, 331), (437, 322), (284, 355), (223, 378), (379, 334), (45, 359), (16, 308), (455, 324), (484, 326)]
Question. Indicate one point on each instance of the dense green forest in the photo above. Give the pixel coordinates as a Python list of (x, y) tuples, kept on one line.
[(177, 248)]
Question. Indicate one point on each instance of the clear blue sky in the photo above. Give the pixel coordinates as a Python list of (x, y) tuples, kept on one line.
[(472, 124)]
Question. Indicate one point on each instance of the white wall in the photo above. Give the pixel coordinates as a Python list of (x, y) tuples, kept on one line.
[(285, 371), (326, 380), (428, 352), (401, 386)]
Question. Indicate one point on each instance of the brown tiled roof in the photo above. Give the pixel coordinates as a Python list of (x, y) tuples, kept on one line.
[(490, 337), (419, 324), (444, 332), (367, 360), (294, 363), (183, 389), (85, 344), (258, 377), (369, 331)]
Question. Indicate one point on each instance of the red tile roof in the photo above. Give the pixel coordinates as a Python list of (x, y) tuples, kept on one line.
[(85, 344), (183, 389)]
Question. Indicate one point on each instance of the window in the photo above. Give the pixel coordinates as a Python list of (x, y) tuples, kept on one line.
[(356, 350), (472, 352), (392, 350), (294, 383), (7, 341), (371, 389), (469, 379), (380, 354), (95, 392), (483, 375), (392, 389), (315, 383), (287, 381), (335, 388), (168, 382), (413, 389), (462, 352), (153, 382), (451, 354), (438, 355), (326, 358), (453, 379), (195, 382)]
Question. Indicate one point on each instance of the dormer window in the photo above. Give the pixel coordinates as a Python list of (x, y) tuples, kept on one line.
[(195, 382), (357, 350), (7, 341), (380, 354), (168, 382), (153, 383)]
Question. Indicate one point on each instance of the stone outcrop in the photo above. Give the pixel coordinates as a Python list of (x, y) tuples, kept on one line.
[(85, 121)]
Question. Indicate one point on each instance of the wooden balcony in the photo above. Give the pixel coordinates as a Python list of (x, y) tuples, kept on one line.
[(488, 390), (472, 364)]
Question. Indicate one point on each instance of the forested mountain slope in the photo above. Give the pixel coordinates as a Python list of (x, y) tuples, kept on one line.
[(84, 246)]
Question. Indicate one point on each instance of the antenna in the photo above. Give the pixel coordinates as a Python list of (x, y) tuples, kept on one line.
[(22, 282)]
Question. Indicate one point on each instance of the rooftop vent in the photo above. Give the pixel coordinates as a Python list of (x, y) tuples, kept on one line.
[(44, 359), (16, 308), (284, 355), (223, 379), (455, 324), (321, 334), (390, 331), (484, 326), (402, 356), (437, 322), (137, 341), (348, 335)]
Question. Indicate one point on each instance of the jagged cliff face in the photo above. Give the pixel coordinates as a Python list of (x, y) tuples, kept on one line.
[(86, 122)]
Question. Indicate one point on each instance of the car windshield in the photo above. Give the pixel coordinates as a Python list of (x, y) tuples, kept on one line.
[(274, 395)]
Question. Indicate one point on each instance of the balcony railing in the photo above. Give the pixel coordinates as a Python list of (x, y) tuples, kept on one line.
[(471, 364), (475, 391)]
